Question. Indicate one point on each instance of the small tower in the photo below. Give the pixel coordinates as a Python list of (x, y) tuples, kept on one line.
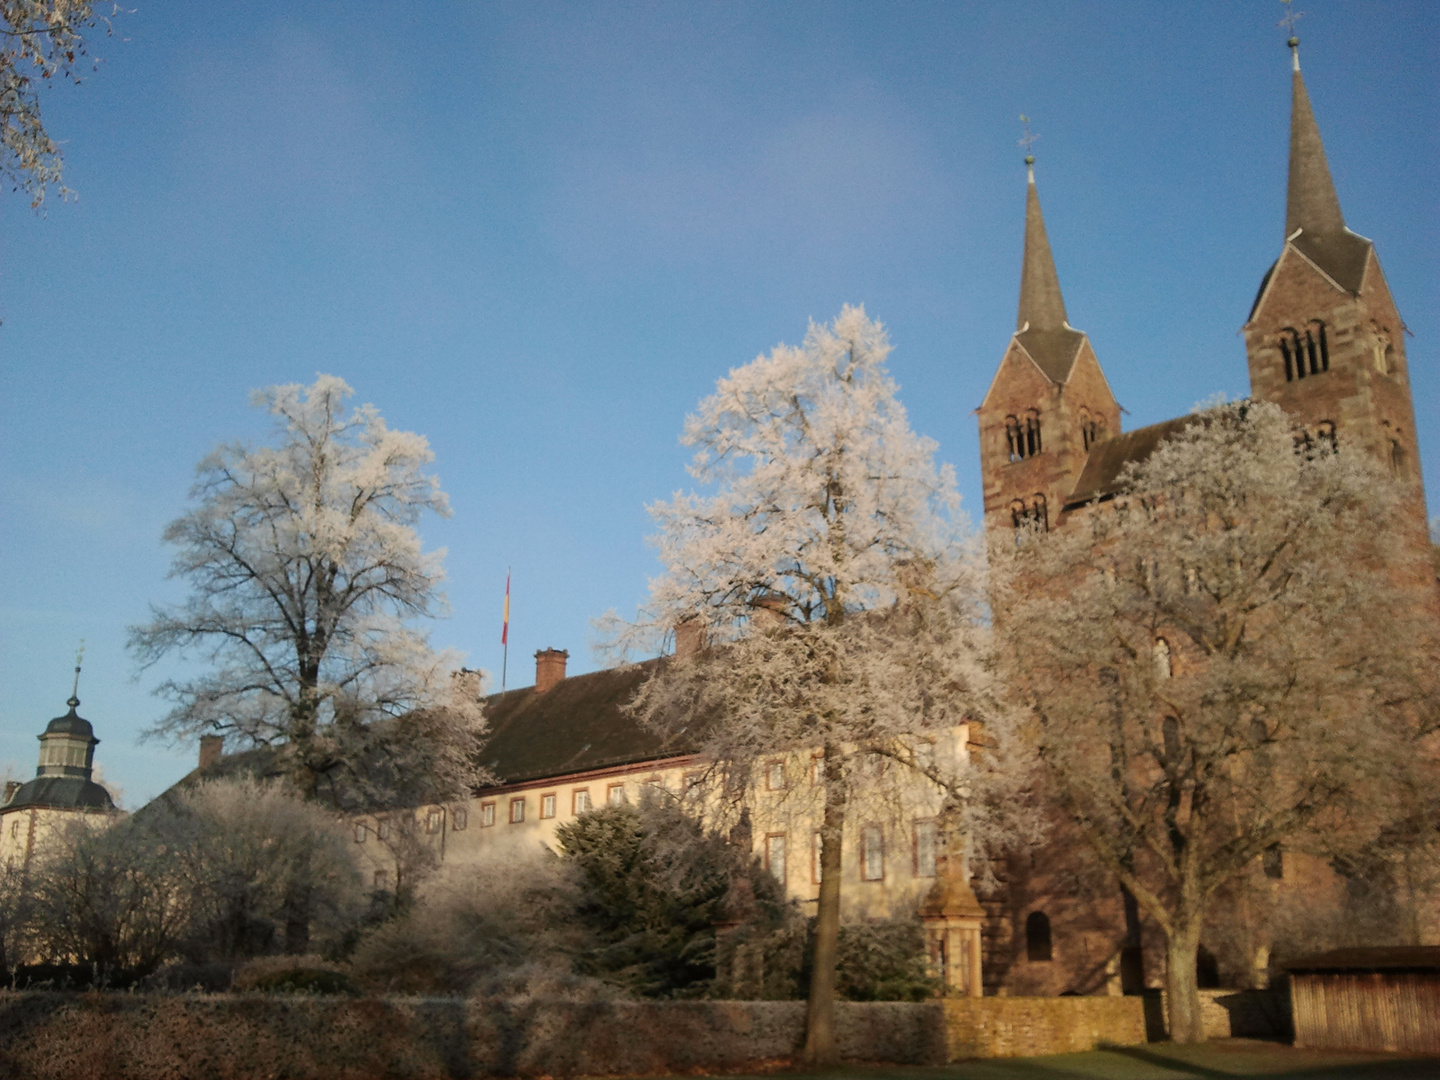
[(63, 785), (1049, 402)]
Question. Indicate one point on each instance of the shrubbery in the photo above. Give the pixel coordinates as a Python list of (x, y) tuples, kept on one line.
[(200, 893)]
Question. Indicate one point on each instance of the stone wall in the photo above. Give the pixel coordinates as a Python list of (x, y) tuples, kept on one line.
[(1015, 1027), (49, 1036)]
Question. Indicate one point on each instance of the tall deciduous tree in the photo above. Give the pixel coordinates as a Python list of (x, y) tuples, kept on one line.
[(306, 577), (41, 41), (837, 585), (1218, 663)]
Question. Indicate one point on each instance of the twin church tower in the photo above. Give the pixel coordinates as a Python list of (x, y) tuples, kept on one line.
[(1323, 339)]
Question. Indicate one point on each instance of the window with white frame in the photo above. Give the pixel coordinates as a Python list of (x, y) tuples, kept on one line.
[(775, 776), (487, 814), (360, 833), (615, 794), (925, 836), (517, 810), (382, 828), (434, 820), (775, 855), (547, 806), (459, 818), (580, 801), (872, 853)]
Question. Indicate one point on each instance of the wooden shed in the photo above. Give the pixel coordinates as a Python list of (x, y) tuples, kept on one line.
[(1368, 999)]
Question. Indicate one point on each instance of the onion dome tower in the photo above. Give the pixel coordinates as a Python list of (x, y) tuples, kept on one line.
[(64, 778)]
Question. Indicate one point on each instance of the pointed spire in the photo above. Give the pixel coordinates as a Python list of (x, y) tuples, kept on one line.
[(1311, 203), (1041, 305)]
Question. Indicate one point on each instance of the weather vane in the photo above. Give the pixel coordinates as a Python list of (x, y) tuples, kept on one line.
[(1027, 140), (75, 690), (1288, 22)]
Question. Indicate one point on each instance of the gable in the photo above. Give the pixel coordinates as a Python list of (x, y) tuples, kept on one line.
[(1018, 374)]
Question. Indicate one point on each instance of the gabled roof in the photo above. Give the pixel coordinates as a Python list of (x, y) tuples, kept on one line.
[(576, 726), (1101, 475)]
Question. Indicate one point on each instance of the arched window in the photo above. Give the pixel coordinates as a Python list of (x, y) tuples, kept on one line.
[(1319, 347), (1290, 350), (1170, 736), (1397, 456), (1162, 659), (1032, 433), (1037, 937), (1014, 439), (1207, 969), (1031, 513)]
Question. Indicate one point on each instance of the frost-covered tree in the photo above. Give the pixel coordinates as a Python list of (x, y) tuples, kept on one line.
[(111, 897), (265, 868), (1218, 663), (306, 577), (41, 42), (838, 589)]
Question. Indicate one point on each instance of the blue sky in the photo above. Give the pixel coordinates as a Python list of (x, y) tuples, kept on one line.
[(537, 233)]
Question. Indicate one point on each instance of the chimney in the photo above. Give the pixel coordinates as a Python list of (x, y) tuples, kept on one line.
[(211, 747), (689, 638), (469, 682), (549, 668), (11, 786)]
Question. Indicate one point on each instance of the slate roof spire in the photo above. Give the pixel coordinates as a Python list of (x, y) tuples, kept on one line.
[(1041, 305), (1310, 202)]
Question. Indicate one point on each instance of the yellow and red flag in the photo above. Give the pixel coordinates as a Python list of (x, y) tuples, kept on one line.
[(505, 625)]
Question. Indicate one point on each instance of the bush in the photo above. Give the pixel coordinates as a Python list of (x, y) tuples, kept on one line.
[(474, 927), (293, 975), (654, 884)]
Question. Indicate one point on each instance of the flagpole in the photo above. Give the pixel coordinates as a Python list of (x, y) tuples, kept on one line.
[(505, 634)]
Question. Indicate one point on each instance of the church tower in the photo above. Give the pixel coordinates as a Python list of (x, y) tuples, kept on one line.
[(1049, 402), (1324, 339)]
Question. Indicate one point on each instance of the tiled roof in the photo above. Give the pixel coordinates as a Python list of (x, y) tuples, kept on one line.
[(575, 726), (1101, 475)]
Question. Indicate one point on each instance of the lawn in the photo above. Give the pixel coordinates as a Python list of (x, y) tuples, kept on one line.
[(1220, 1060)]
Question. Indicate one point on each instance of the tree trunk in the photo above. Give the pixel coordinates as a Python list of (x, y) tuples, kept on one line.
[(820, 1045), (1181, 948)]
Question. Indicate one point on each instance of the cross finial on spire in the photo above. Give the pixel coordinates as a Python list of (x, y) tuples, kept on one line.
[(74, 701), (1288, 22), (1027, 141)]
